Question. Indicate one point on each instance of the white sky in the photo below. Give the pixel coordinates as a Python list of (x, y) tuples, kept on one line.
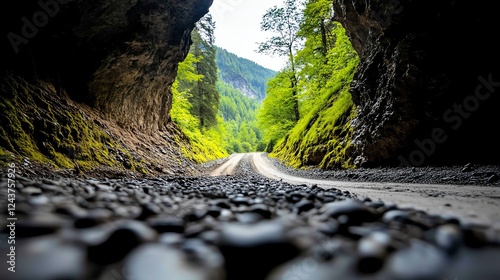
[(238, 29)]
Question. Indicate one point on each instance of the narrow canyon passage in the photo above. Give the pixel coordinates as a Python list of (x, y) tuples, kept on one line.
[(249, 140)]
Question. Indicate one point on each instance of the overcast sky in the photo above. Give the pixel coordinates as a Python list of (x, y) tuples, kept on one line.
[(238, 29)]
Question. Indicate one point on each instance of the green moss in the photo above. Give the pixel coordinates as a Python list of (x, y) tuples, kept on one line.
[(5, 158), (200, 147), (201, 153), (37, 123), (323, 137)]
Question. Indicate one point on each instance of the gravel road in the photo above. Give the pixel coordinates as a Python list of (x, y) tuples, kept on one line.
[(235, 226), (469, 202)]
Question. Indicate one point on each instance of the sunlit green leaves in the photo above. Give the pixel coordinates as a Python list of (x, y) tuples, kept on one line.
[(325, 65), (276, 116), (284, 22)]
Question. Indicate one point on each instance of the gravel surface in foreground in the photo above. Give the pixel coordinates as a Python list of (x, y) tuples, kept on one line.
[(229, 227), (482, 175)]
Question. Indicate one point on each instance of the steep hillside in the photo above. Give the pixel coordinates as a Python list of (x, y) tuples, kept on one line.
[(243, 74), (240, 120), (242, 85)]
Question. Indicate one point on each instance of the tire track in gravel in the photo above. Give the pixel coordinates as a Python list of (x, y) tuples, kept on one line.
[(470, 204), (228, 167)]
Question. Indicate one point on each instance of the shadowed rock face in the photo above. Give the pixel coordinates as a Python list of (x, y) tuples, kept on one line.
[(118, 56), (416, 84)]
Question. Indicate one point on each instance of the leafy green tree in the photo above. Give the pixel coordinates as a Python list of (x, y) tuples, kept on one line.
[(181, 107), (213, 114), (206, 144), (318, 30), (205, 99), (326, 51), (276, 117), (326, 64), (285, 23), (317, 25)]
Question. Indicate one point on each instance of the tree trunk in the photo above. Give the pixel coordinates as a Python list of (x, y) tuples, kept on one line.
[(294, 82)]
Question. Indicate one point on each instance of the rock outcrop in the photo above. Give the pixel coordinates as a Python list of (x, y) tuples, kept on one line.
[(120, 57), (86, 83), (426, 85)]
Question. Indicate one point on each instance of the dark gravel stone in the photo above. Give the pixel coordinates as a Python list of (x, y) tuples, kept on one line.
[(304, 206), (214, 211), (373, 251), (122, 240), (449, 238), (149, 210), (233, 228), (40, 224), (355, 211), (263, 245), (31, 191), (240, 201), (85, 222), (249, 218), (166, 224), (195, 215), (493, 178), (222, 203), (475, 237), (261, 209), (396, 215)]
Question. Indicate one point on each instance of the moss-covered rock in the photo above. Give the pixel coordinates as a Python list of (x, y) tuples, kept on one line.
[(41, 124), (323, 138)]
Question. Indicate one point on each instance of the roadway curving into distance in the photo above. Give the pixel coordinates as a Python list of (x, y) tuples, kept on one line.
[(471, 204)]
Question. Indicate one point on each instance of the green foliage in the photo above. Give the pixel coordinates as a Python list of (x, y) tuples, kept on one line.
[(242, 86), (196, 101), (205, 143), (181, 107), (235, 129), (276, 117), (239, 113), (235, 106), (322, 138), (243, 74), (204, 97), (285, 23), (325, 68)]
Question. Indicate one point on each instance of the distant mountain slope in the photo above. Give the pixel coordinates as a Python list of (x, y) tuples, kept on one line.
[(243, 74)]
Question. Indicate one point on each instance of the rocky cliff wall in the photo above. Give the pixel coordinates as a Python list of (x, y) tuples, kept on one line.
[(120, 57), (426, 87), (87, 83)]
